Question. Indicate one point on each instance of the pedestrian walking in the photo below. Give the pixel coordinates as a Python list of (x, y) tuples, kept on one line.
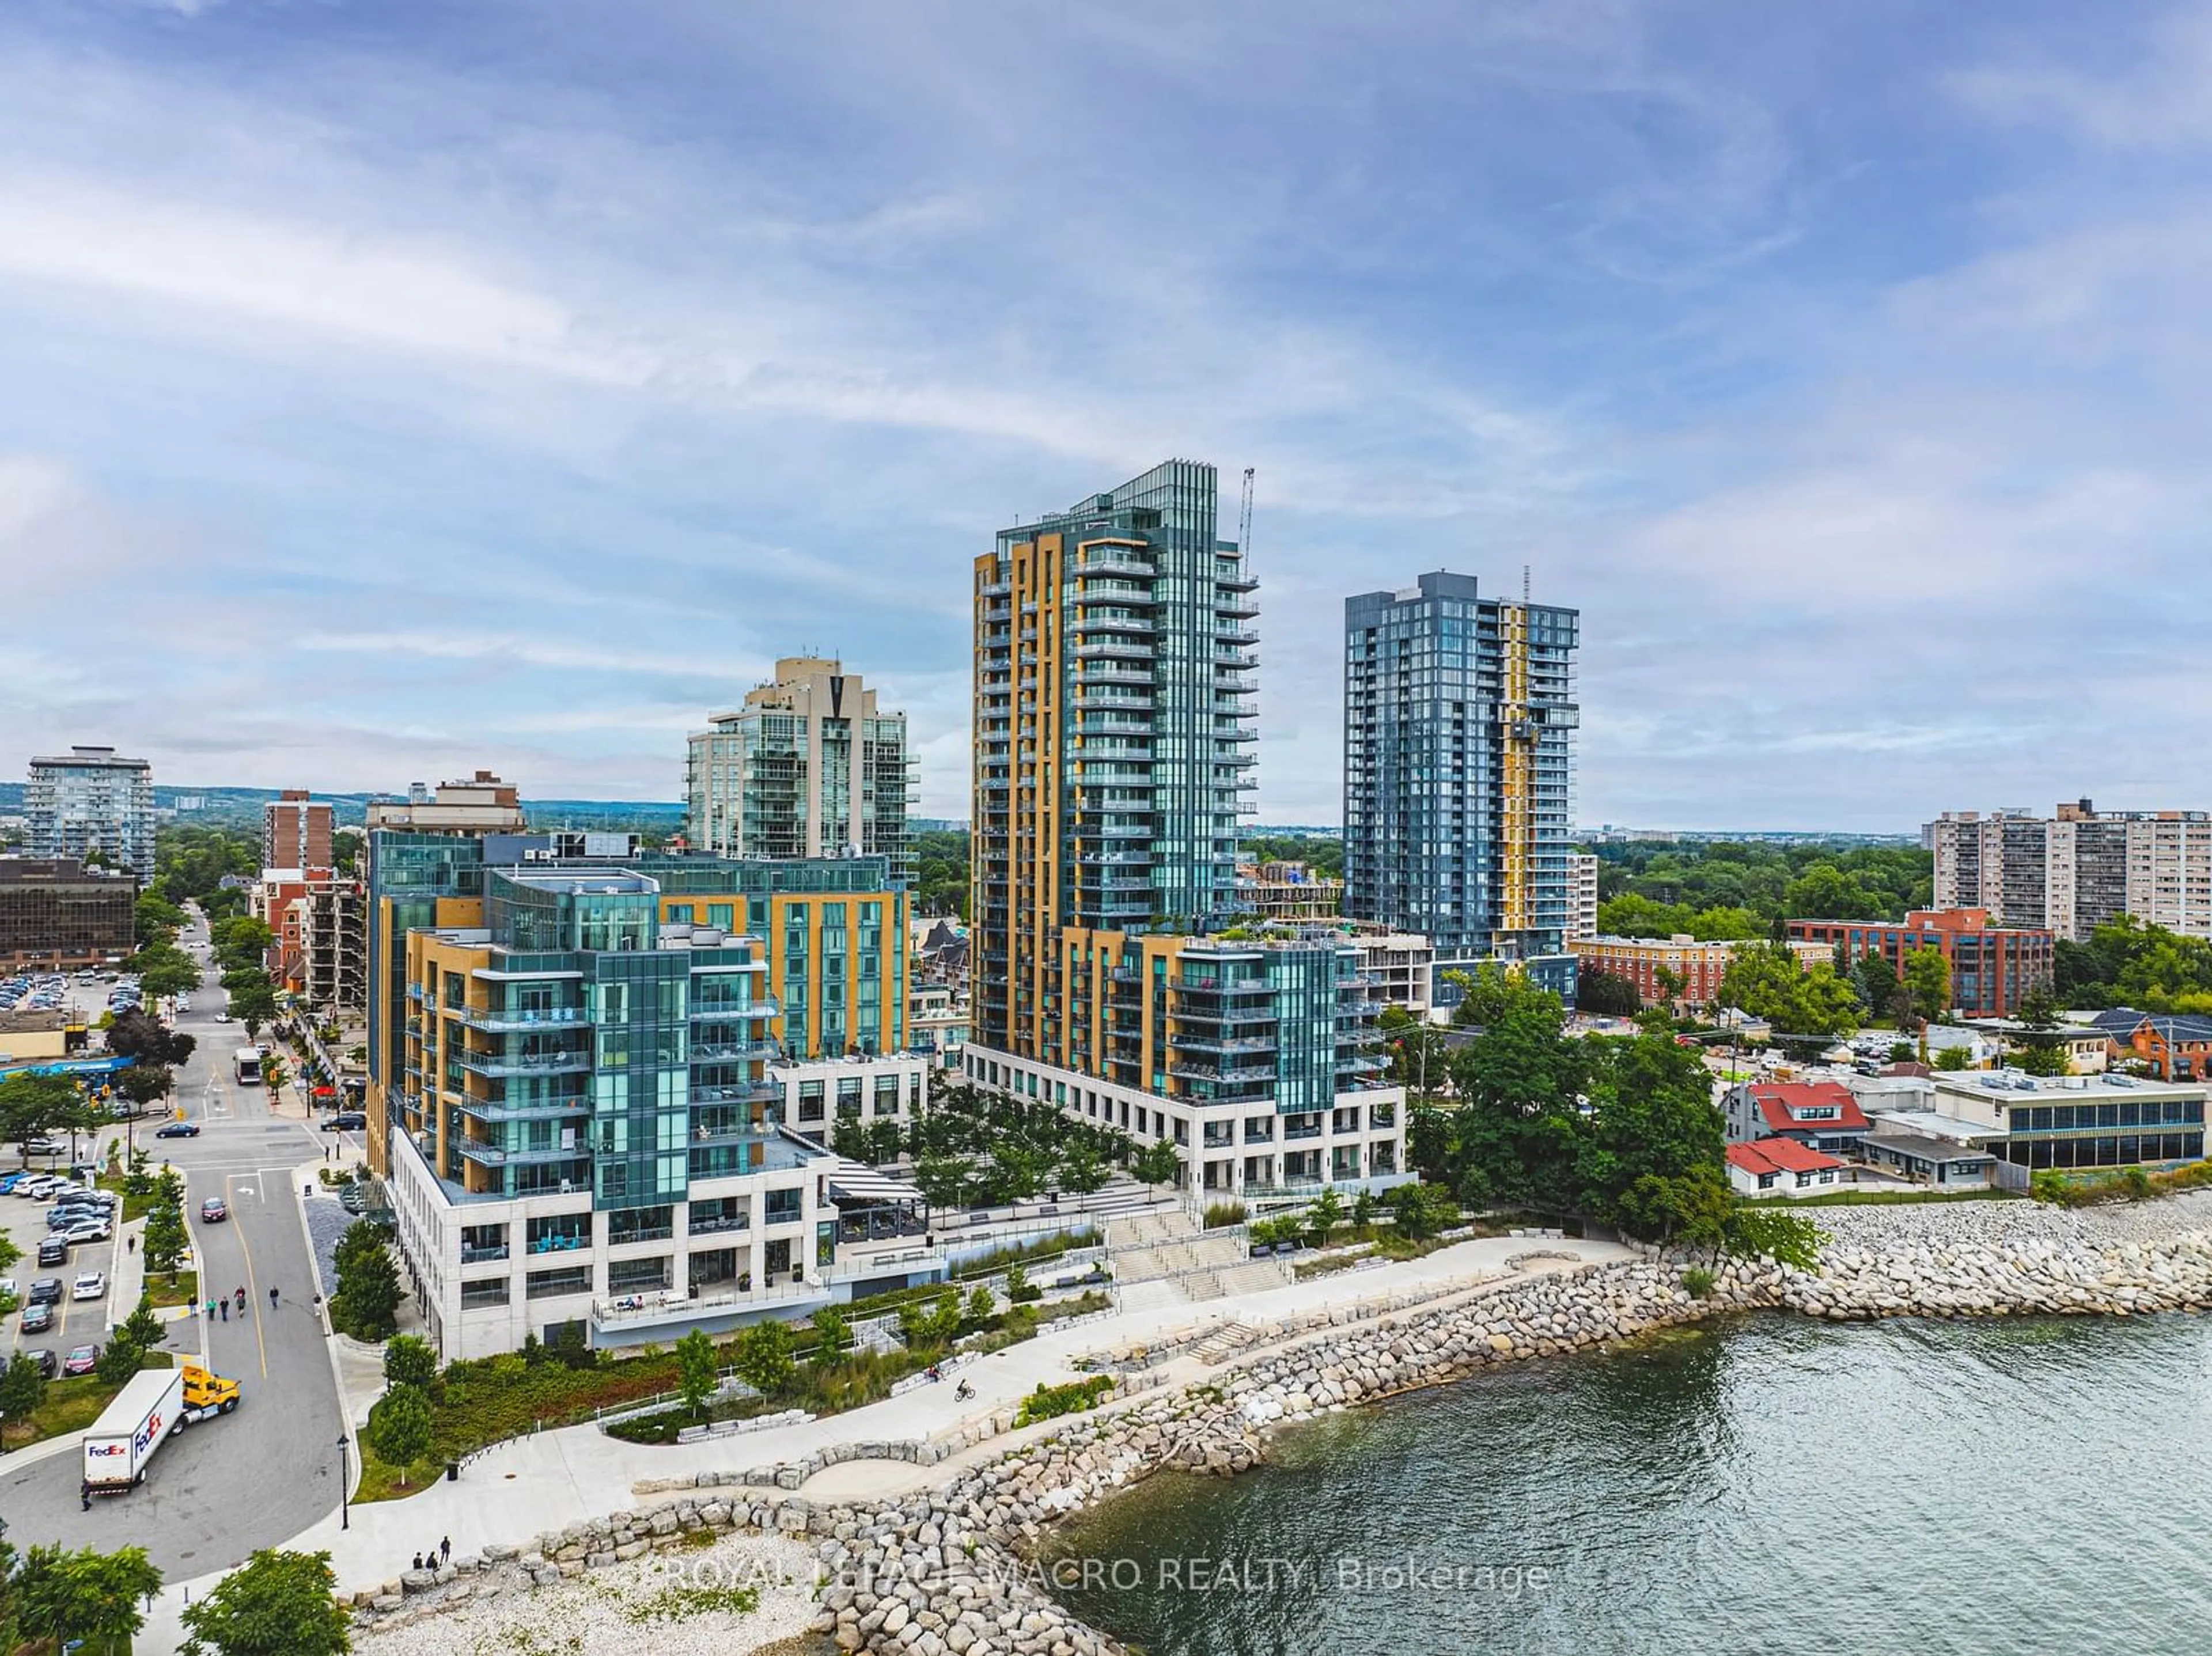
[(241, 1301), (131, 1246), (84, 1494), (210, 1308), (272, 1296), (226, 1310), (445, 1549)]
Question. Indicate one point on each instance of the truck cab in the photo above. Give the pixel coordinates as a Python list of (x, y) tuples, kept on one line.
[(208, 1394)]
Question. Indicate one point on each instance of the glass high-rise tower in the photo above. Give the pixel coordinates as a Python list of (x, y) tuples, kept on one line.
[(1459, 723), (1113, 720)]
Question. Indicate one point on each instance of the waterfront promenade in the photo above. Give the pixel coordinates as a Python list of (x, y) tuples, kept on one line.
[(527, 1485)]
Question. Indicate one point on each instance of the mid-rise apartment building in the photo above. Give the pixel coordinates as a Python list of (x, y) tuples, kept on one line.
[(1697, 965), (808, 767), (2077, 869), (295, 832), (1992, 967), (93, 801), (1459, 723), (1113, 717), (58, 914)]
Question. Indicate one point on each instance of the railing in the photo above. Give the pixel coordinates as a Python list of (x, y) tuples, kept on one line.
[(720, 1226), (649, 1233), (550, 1017), (477, 1256), (724, 1052), (1293, 1134), (507, 1064)]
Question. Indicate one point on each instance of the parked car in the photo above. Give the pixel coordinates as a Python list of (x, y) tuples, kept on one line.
[(82, 1359), (48, 1364), (45, 1290), (92, 1285), (37, 1318), (54, 1251), (88, 1230), (214, 1210), (179, 1130)]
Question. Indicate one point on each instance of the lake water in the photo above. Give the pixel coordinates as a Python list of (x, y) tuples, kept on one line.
[(1769, 1485)]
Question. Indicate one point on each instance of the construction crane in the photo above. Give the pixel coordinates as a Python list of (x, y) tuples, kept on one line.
[(1244, 520)]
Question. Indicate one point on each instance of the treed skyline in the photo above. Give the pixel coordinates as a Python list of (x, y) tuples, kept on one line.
[(394, 389)]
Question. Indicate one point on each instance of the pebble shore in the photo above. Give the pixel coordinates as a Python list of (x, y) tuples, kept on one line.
[(965, 1568)]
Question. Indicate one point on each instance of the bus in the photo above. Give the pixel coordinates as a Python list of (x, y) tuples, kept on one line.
[(248, 1063)]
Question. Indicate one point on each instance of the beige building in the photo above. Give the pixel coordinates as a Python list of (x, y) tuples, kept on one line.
[(809, 767), (1582, 897), (2078, 869), (482, 804)]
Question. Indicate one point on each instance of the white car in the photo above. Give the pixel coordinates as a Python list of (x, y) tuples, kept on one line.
[(9, 1291), (93, 1285), (222, 1017), (87, 1230)]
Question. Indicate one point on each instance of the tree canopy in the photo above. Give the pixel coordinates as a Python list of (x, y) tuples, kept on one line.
[(276, 1603), (1767, 981), (1724, 880)]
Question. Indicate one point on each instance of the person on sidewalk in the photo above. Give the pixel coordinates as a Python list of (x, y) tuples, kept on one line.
[(445, 1549), (272, 1296), (225, 1304)]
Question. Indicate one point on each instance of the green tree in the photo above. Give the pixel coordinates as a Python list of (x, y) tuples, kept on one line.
[(164, 1240), (254, 1004), (1927, 978), (1651, 1115), (366, 1301), (1953, 1058), (1019, 1289), (30, 1105), (144, 1084), (119, 1359), (164, 969), (1083, 1172), (1157, 1163), (1686, 1210), (276, 1603), (979, 1309), (1875, 979), (2040, 1059), (763, 1356), (1825, 892), (833, 1335), (1607, 994), (97, 1597), (402, 1427), (23, 1387), (1421, 1210), (1766, 981), (698, 1369), (942, 1180), (410, 1360), (1325, 1214), (143, 1325)]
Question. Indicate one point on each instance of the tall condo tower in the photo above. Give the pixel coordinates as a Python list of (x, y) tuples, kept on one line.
[(1114, 671), (1459, 723)]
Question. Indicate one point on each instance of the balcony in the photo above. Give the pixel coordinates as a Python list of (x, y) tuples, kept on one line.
[(1293, 1134), (477, 1256), (494, 1156), (747, 1092), (1227, 1074), (485, 1110), (732, 1051), (510, 1021), (1204, 1043), (1112, 563), (526, 1064)]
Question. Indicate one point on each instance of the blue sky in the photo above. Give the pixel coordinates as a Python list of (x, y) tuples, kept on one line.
[(390, 389)]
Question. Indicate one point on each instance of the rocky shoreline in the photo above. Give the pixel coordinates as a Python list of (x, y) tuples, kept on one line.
[(965, 1568)]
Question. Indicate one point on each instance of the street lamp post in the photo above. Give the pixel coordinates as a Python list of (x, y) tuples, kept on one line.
[(345, 1516)]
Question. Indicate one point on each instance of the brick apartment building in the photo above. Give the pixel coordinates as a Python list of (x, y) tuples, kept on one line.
[(1992, 967)]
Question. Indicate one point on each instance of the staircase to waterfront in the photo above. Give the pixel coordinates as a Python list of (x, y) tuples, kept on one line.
[(1156, 1251)]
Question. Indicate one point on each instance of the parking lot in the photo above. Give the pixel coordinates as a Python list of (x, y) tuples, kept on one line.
[(75, 1322)]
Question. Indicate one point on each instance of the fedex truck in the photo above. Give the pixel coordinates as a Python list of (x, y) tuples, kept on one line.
[(153, 1403), (123, 1440)]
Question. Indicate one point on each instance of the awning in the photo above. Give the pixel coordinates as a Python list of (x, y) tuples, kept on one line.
[(855, 1182)]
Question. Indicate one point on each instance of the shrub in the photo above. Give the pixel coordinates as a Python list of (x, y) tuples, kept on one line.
[(408, 1361), (1019, 1288), (1699, 1280), (1050, 1402), (1218, 1214)]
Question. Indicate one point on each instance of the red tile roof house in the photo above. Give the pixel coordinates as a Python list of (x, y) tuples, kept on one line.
[(1780, 1167), (1819, 1114)]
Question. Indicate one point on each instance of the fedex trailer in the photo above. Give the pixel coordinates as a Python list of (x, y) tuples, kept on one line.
[(123, 1440)]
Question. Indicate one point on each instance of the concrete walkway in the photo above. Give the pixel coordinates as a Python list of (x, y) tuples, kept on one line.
[(527, 1485)]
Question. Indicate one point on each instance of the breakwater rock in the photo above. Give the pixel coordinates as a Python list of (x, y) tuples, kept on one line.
[(968, 1567)]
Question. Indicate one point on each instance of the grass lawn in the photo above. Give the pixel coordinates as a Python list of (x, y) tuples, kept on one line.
[(70, 1406), (134, 1207), (184, 1289)]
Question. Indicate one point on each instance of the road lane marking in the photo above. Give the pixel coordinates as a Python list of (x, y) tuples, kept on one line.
[(254, 1289)]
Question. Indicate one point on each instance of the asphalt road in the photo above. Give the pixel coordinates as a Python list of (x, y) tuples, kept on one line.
[(255, 1477)]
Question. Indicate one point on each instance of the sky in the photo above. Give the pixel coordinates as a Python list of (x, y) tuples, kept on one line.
[(389, 389)]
